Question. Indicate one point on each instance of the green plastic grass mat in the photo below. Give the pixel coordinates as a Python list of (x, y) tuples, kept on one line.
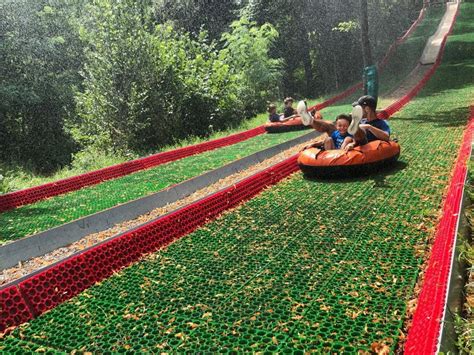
[(399, 66), (322, 265), (407, 55), (60, 209)]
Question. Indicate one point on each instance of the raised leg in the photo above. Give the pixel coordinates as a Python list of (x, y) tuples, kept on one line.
[(360, 137), (323, 126)]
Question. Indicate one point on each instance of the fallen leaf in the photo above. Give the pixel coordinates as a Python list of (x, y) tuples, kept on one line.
[(192, 325), (380, 348)]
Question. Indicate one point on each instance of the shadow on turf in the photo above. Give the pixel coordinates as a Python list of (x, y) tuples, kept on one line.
[(379, 176), (452, 118)]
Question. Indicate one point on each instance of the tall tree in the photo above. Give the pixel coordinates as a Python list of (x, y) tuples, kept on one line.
[(40, 60), (193, 16), (364, 33), (293, 22)]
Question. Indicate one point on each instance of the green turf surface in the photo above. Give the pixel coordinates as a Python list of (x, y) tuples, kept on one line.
[(400, 64), (407, 55), (322, 265), (60, 209)]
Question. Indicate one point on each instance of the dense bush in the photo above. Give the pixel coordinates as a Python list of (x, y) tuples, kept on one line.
[(246, 50), (39, 63), (147, 87)]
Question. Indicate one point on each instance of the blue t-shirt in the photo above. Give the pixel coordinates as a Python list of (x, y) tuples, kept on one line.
[(377, 123), (338, 138)]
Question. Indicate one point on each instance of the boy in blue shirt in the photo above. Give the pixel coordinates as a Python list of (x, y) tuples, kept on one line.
[(364, 129), (340, 138)]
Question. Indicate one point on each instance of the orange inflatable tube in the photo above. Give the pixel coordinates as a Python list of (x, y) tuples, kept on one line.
[(294, 124), (332, 163)]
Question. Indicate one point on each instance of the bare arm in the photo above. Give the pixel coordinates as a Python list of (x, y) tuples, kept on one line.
[(284, 119), (377, 132)]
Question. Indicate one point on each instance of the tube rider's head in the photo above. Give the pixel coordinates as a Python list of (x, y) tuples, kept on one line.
[(368, 104), (342, 123), (271, 109), (288, 101)]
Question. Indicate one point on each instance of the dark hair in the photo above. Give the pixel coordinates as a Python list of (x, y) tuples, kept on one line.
[(343, 116), (288, 99), (271, 107)]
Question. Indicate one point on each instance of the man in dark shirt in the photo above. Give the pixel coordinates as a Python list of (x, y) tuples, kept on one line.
[(369, 128), (364, 130), (288, 111)]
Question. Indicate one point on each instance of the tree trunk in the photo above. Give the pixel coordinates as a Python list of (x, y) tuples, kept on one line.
[(364, 31), (306, 59)]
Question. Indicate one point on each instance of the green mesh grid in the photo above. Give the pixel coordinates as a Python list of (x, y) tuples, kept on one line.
[(46, 214), (58, 210), (321, 265)]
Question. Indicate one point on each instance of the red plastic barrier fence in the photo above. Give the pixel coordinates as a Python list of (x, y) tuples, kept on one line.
[(47, 289), (13, 309), (425, 331), (396, 106), (27, 196), (31, 195)]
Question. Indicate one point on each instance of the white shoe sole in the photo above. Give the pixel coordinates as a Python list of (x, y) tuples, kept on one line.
[(357, 114), (302, 110)]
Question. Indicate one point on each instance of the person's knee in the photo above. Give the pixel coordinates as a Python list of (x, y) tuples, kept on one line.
[(328, 143), (360, 137)]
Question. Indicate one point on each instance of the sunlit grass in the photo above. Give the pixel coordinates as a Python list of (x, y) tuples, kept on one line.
[(49, 213)]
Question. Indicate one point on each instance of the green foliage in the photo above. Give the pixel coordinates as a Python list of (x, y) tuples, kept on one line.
[(194, 16), (246, 51), (39, 65), (4, 184), (330, 59), (118, 78), (148, 87), (346, 26)]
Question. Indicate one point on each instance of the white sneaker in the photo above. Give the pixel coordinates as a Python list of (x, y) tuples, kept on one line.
[(357, 114), (302, 110)]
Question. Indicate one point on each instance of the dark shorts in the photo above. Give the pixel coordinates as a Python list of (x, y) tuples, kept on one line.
[(363, 141)]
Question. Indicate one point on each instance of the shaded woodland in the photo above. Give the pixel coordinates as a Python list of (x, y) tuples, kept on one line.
[(128, 77)]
